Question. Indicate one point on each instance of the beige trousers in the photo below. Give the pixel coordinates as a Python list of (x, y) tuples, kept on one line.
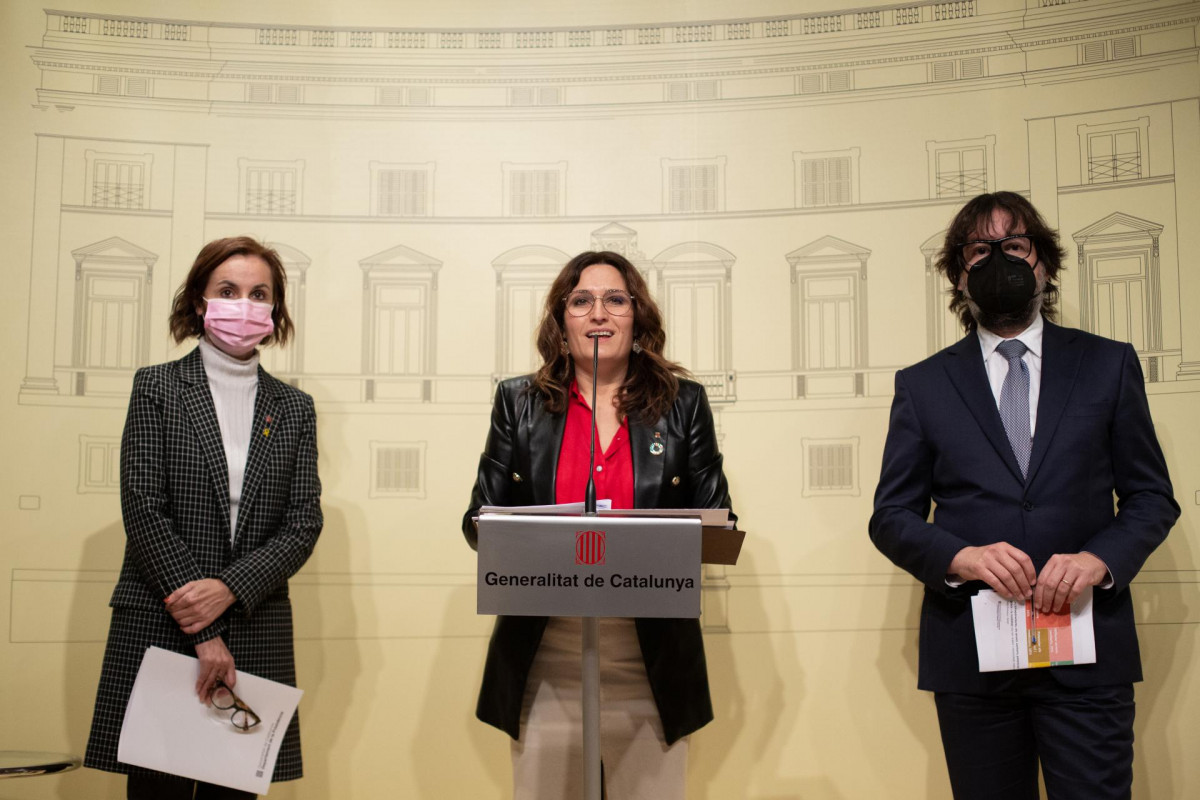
[(548, 759)]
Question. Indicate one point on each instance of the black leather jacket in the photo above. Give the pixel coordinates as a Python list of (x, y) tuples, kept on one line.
[(519, 466)]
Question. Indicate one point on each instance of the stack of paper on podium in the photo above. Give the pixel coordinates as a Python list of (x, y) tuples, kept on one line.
[(168, 729)]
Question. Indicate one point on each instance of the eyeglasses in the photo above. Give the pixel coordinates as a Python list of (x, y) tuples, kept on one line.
[(616, 302), (242, 716), (1019, 246)]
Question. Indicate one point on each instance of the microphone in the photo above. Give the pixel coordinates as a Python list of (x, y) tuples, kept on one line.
[(589, 495)]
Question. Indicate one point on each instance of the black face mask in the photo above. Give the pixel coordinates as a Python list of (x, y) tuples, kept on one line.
[(1001, 283)]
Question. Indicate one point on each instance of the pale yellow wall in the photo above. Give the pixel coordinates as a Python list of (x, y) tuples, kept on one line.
[(812, 637)]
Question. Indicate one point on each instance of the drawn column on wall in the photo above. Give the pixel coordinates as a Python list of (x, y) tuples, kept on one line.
[(399, 321), (523, 275), (829, 317), (43, 268)]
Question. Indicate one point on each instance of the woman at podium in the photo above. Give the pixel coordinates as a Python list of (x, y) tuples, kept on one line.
[(221, 505), (656, 447)]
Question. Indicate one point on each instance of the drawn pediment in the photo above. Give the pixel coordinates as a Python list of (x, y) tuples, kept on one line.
[(613, 229), (401, 257), (530, 256), (828, 249), (290, 256), (695, 254), (114, 250), (933, 245), (1118, 226)]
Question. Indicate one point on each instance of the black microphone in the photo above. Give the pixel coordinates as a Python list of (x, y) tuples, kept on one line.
[(589, 495)]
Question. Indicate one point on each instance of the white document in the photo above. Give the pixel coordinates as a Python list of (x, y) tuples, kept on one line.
[(1010, 634), (558, 508), (167, 728)]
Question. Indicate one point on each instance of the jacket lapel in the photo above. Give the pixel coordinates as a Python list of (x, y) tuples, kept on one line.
[(545, 441), (202, 415), (264, 432), (967, 373), (647, 464), (1061, 358)]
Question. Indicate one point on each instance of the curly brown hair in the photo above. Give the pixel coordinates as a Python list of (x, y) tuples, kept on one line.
[(652, 382), (186, 322), (1024, 218)]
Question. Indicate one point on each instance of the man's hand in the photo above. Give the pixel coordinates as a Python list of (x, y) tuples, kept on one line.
[(1064, 577), (215, 662), (197, 604), (1001, 566)]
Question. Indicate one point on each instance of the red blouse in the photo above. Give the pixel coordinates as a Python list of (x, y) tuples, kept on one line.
[(614, 467)]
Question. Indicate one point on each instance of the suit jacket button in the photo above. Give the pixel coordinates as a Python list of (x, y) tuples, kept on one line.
[(516, 478), (675, 481), (1028, 506)]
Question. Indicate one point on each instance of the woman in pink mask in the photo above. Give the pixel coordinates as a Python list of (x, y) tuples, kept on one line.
[(221, 504)]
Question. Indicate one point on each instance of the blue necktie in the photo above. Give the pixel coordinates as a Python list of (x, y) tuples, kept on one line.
[(1014, 401)]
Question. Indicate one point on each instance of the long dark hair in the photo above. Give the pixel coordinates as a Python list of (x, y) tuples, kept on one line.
[(1026, 219), (186, 322), (652, 382)]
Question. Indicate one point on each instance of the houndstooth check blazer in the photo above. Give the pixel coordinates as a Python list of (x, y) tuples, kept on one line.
[(175, 506)]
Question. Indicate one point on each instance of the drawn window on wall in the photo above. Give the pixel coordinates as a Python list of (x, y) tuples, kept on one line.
[(534, 190), (399, 313), (283, 362), (1114, 152), (693, 186), (397, 470), (99, 464), (523, 275), (118, 180), (1119, 283), (830, 466), (401, 190), (962, 167), (112, 282), (829, 305), (270, 187), (693, 288), (942, 328), (826, 179)]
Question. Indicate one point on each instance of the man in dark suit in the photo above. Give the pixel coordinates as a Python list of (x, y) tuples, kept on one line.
[(1021, 433)]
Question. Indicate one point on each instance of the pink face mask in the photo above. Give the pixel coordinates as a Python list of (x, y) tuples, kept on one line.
[(237, 326)]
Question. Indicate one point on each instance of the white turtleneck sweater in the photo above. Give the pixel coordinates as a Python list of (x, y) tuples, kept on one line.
[(234, 386)]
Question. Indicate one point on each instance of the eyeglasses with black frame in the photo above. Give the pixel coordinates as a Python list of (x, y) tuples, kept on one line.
[(616, 302), (1019, 245), (241, 715)]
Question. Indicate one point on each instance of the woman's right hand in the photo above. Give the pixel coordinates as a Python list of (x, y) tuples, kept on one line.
[(216, 662)]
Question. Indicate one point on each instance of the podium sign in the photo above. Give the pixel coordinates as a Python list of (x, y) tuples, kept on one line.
[(588, 566)]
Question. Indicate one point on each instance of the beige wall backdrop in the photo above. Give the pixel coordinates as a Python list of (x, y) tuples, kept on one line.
[(782, 172)]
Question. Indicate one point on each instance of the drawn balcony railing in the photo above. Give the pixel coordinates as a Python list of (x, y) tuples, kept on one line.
[(961, 184), (114, 194), (274, 201), (384, 389), (1119, 167), (816, 384), (1153, 367)]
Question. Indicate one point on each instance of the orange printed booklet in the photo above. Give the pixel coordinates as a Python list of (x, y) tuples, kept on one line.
[(1014, 635)]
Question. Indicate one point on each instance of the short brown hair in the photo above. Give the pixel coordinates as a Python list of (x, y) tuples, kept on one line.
[(1025, 218), (186, 322), (652, 382)]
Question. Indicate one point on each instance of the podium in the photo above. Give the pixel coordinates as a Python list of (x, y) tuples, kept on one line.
[(616, 564)]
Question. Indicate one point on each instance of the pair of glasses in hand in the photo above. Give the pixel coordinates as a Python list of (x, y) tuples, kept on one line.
[(241, 715)]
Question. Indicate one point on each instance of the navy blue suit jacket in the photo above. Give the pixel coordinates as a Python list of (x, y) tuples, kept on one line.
[(946, 445)]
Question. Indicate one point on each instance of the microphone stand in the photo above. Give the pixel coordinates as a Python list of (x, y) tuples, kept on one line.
[(592, 769)]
